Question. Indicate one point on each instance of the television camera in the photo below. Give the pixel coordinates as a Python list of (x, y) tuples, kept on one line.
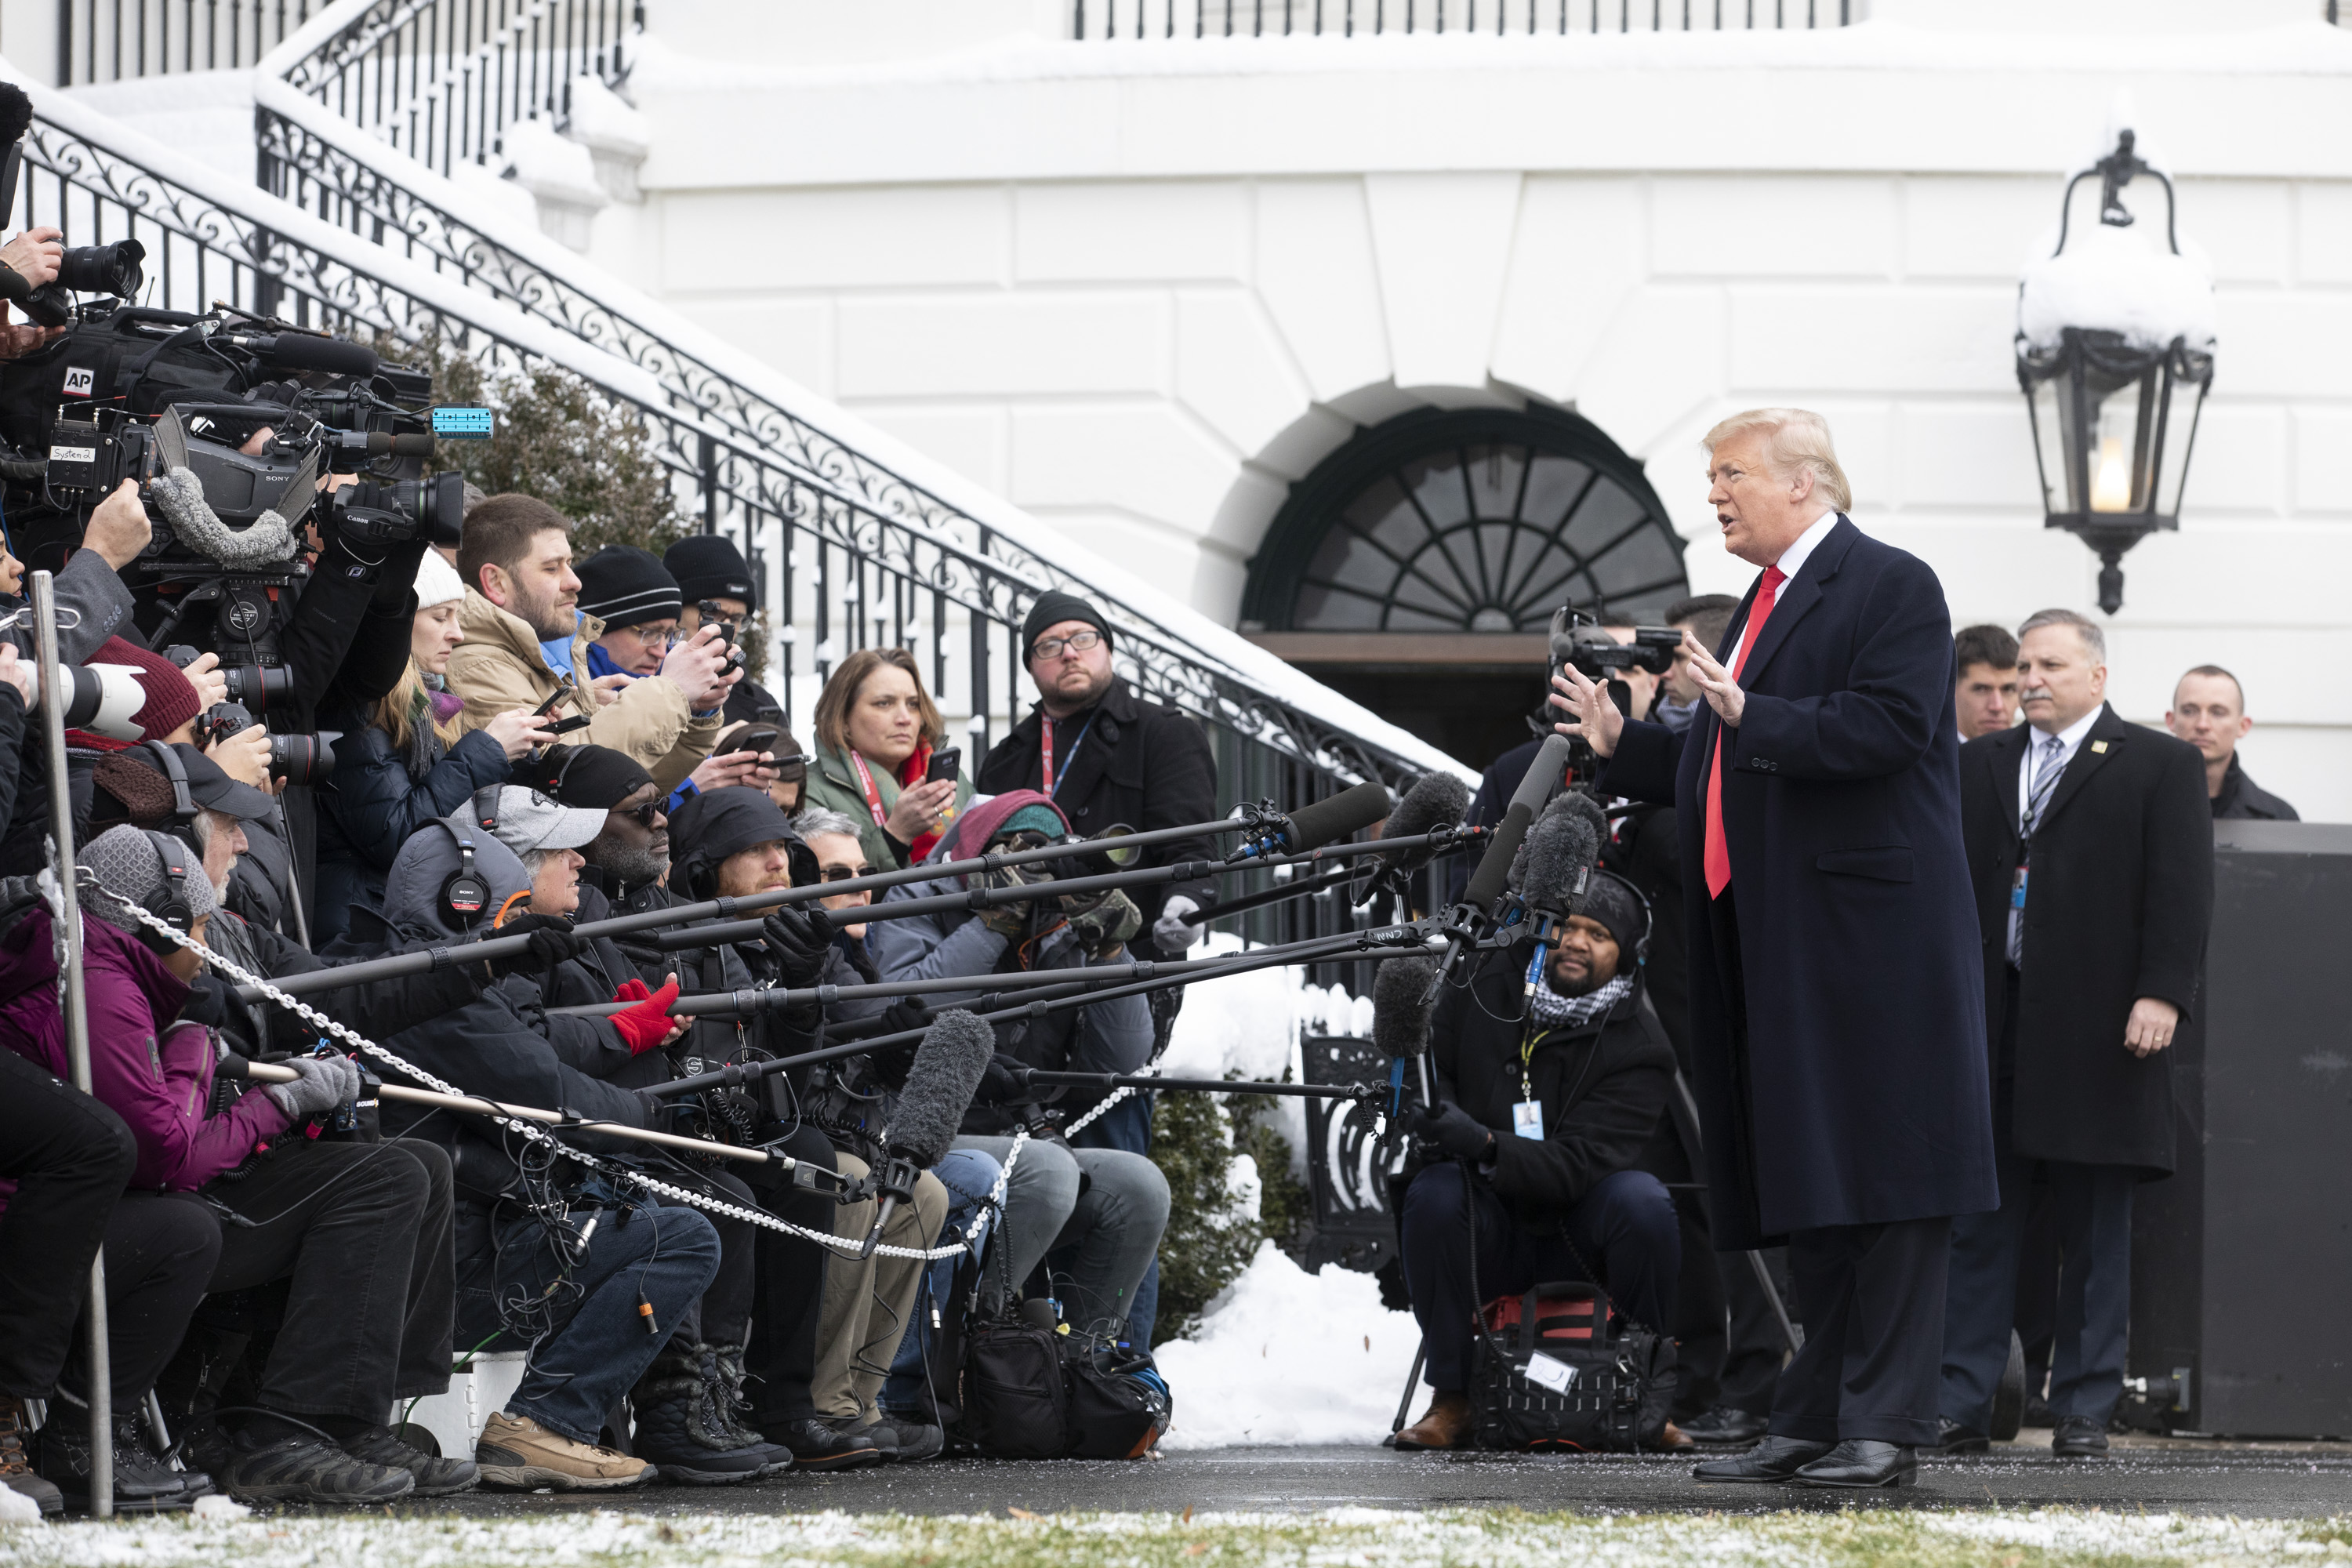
[(1577, 638)]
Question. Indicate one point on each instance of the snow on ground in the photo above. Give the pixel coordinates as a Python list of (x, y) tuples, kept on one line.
[(1287, 1357), (1371, 1538)]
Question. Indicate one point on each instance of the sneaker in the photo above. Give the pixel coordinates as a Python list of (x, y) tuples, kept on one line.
[(816, 1445), (517, 1453), (861, 1428), (304, 1468), (911, 1436), (679, 1427), (434, 1476), (142, 1483), (17, 1472)]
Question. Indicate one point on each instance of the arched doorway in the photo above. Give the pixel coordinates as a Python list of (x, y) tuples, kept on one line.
[(1417, 568)]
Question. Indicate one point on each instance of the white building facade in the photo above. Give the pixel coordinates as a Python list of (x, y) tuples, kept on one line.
[(1143, 288)]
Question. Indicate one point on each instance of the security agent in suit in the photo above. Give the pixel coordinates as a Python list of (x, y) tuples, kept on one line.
[(1554, 1196), (1835, 1007), (2090, 846)]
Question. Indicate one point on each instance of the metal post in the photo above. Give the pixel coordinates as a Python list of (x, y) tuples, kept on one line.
[(77, 1005)]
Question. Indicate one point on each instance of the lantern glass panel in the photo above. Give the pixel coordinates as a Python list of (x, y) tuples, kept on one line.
[(2052, 444), (2122, 441), (2185, 400)]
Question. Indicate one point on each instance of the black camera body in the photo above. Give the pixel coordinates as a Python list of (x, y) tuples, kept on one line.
[(297, 759), (1579, 639), (117, 270), (712, 615)]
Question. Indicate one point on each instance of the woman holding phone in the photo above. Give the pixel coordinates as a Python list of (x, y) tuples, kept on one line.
[(880, 757), (402, 761)]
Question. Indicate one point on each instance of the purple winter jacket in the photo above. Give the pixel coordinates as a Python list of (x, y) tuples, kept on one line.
[(156, 1074)]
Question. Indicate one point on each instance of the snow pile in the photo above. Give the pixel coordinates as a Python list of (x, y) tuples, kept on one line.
[(16, 1508), (220, 1505), (604, 121), (500, 196), (549, 165), (1342, 1362), (2117, 279)]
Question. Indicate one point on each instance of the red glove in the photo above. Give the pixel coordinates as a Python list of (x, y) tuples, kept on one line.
[(648, 1023)]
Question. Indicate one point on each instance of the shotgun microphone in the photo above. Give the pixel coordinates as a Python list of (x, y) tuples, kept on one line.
[(946, 1073), (1472, 920), (1313, 826)]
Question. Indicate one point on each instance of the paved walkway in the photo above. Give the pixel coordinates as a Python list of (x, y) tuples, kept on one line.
[(2266, 1481)]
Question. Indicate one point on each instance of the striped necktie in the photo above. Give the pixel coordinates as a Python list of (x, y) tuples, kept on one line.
[(2040, 780)]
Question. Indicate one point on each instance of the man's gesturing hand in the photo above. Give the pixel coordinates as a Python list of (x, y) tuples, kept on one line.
[(1588, 701), (1722, 692), (2149, 1029)]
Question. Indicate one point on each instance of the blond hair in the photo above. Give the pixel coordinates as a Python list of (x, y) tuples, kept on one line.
[(840, 694), (402, 707), (1794, 438)]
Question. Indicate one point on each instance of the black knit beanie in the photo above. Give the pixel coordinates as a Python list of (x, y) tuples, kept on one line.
[(622, 585), (1051, 608), (709, 566), (1613, 902), (589, 776)]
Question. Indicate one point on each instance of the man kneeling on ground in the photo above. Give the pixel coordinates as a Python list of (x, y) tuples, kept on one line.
[(1556, 1197)]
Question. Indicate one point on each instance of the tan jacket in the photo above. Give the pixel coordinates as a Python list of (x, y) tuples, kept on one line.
[(500, 665)]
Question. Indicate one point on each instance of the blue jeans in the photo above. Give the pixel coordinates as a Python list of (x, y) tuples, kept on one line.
[(969, 1176), (582, 1368), (1624, 1224), (1128, 1125)]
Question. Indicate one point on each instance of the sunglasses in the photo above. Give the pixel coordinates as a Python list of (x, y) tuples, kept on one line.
[(642, 815), (845, 873)]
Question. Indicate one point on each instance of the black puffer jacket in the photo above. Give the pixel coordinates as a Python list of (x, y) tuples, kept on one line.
[(1603, 1087)]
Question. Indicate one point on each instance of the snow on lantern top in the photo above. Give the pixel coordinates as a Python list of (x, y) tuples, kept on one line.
[(2112, 279)]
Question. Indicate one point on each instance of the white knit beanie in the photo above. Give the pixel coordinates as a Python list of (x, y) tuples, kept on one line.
[(438, 582)]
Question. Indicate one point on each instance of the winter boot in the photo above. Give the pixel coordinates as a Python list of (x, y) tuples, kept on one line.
[(142, 1484), (517, 1453), (434, 1477), (722, 1370), (16, 1470), (680, 1430)]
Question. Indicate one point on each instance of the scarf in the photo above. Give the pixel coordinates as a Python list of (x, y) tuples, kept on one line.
[(600, 663), (1555, 1011)]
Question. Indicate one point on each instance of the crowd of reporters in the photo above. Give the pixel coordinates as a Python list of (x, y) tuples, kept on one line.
[(290, 1265)]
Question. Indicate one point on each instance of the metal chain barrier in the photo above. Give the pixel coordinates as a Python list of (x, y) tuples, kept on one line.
[(846, 1245)]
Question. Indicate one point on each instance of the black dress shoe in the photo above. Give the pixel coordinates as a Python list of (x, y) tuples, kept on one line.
[(1772, 1461), (2078, 1438), (816, 1445), (1861, 1463), (1951, 1437), (1724, 1427)]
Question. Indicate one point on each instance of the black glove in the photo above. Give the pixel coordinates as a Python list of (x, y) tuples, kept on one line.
[(551, 941), (998, 1086), (396, 576), (792, 936), (1455, 1131), (893, 1061)]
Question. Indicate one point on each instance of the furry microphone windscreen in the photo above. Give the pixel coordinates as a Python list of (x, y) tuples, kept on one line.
[(955, 1051), (15, 113), (1435, 800), (1553, 864), (1400, 1005)]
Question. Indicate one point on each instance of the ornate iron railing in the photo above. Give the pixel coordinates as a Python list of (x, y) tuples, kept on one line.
[(1146, 19), (121, 40), (442, 80)]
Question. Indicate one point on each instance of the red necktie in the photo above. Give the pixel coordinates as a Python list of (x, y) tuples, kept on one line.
[(1719, 853)]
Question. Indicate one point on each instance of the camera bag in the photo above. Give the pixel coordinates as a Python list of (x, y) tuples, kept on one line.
[(1619, 1380), (1031, 1393)]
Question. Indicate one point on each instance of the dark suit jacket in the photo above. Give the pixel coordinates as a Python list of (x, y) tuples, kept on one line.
[(1859, 1095), (2117, 907), (1141, 763)]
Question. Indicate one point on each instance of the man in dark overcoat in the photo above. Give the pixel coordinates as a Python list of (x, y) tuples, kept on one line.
[(1836, 1008), (2091, 847)]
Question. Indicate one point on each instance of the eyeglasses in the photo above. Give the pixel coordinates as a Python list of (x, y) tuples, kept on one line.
[(847, 873), (1076, 642), (669, 638)]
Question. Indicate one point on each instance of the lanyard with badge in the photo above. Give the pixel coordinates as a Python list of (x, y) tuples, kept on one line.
[(1045, 746), (1526, 1116)]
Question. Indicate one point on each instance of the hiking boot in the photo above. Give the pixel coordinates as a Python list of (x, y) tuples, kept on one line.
[(911, 1436), (434, 1476), (142, 1483), (722, 1368), (816, 1445), (16, 1471), (680, 1429), (517, 1453), (1444, 1424), (307, 1468)]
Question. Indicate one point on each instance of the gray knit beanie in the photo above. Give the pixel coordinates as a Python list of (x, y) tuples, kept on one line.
[(125, 861)]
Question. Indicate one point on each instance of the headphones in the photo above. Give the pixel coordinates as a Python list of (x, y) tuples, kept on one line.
[(167, 763), (1649, 915), (170, 904), (465, 894)]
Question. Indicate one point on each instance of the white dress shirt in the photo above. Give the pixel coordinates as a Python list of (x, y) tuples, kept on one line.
[(1792, 560)]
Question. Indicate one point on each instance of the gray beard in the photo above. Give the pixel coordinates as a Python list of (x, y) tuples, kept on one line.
[(628, 867)]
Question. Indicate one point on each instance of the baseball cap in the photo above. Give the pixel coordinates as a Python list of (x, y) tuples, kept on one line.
[(528, 820)]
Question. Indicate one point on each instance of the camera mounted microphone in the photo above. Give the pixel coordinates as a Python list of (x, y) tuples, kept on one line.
[(306, 351), (1313, 826), (945, 1075), (1554, 864)]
